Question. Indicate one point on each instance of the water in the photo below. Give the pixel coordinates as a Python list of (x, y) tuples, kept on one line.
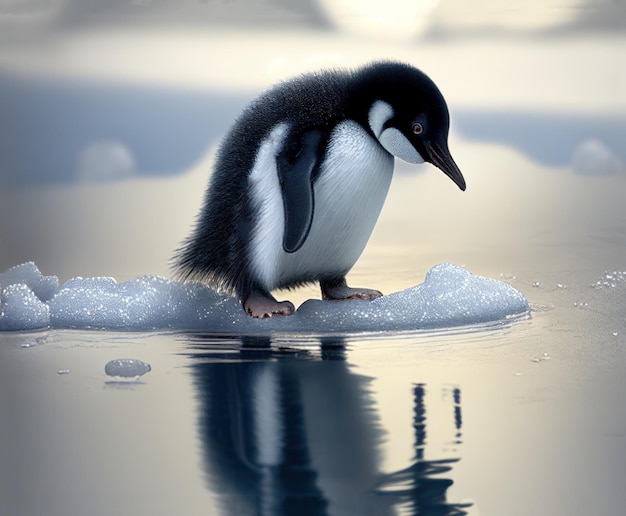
[(524, 417), (520, 419)]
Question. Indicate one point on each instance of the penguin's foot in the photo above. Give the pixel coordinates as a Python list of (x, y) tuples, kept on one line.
[(261, 306), (339, 290)]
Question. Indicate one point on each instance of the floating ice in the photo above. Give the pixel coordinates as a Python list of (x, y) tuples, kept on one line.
[(450, 296), (594, 158), (127, 368), (21, 309), (144, 303), (44, 287), (542, 358), (611, 279)]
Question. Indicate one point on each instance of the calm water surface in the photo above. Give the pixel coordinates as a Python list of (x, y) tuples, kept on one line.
[(519, 418)]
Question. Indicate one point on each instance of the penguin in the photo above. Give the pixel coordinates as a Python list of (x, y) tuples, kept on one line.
[(301, 177)]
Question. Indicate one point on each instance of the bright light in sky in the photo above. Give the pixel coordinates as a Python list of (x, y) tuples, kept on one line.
[(388, 19)]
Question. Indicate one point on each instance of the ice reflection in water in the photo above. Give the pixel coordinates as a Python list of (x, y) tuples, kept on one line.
[(295, 431)]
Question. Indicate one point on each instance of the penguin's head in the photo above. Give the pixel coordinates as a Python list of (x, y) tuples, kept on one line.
[(409, 117)]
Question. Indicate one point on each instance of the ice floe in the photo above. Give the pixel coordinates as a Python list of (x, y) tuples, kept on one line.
[(450, 296)]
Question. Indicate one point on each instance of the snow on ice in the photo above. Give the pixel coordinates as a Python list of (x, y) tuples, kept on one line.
[(450, 296)]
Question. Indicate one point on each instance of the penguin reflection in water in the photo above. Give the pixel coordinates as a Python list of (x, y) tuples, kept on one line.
[(301, 178)]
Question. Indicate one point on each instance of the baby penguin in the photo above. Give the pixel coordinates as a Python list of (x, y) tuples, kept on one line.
[(301, 178)]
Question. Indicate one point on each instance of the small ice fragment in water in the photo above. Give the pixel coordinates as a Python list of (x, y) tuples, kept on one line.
[(63, 371), (545, 356), (38, 342), (561, 286), (536, 284), (126, 368), (615, 334), (581, 304), (610, 279)]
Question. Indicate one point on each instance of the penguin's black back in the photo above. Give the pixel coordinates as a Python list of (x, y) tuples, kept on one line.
[(216, 251)]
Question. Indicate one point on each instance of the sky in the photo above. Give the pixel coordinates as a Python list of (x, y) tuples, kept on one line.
[(24, 19), (132, 98)]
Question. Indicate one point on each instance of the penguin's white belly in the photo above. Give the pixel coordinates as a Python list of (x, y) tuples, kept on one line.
[(349, 193)]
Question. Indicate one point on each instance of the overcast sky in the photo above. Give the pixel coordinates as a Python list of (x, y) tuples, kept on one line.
[(445, 18)]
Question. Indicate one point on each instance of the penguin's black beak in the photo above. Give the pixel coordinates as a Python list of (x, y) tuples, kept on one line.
[(440, 157)]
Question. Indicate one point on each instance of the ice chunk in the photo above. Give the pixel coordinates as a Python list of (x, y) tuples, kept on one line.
[(21, 309), (450, 296), (23, 293), (127, 368), (88, 303), (44, 287), (144, 303), (593, 158), (157, 302)]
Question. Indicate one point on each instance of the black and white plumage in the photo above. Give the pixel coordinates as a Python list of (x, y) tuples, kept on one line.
[(301, 178)]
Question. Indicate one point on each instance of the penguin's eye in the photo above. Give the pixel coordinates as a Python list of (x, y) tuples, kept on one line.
[(417, 128)]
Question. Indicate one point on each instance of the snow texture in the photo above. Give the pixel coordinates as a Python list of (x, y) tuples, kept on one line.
[(449, 297)]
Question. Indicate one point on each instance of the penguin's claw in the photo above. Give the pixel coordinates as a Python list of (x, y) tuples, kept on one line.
[(355, 293), (260, 306), (340, 291)]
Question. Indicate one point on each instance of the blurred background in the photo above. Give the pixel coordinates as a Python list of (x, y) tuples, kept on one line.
[(111, 111)]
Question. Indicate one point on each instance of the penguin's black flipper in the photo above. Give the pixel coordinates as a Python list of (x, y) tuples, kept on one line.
[(298, 164)]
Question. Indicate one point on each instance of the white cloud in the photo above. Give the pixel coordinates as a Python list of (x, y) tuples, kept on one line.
[(593, 158), (105, 161)]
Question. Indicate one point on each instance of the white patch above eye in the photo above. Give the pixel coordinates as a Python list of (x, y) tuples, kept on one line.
[(392, 140), (397, 144)]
